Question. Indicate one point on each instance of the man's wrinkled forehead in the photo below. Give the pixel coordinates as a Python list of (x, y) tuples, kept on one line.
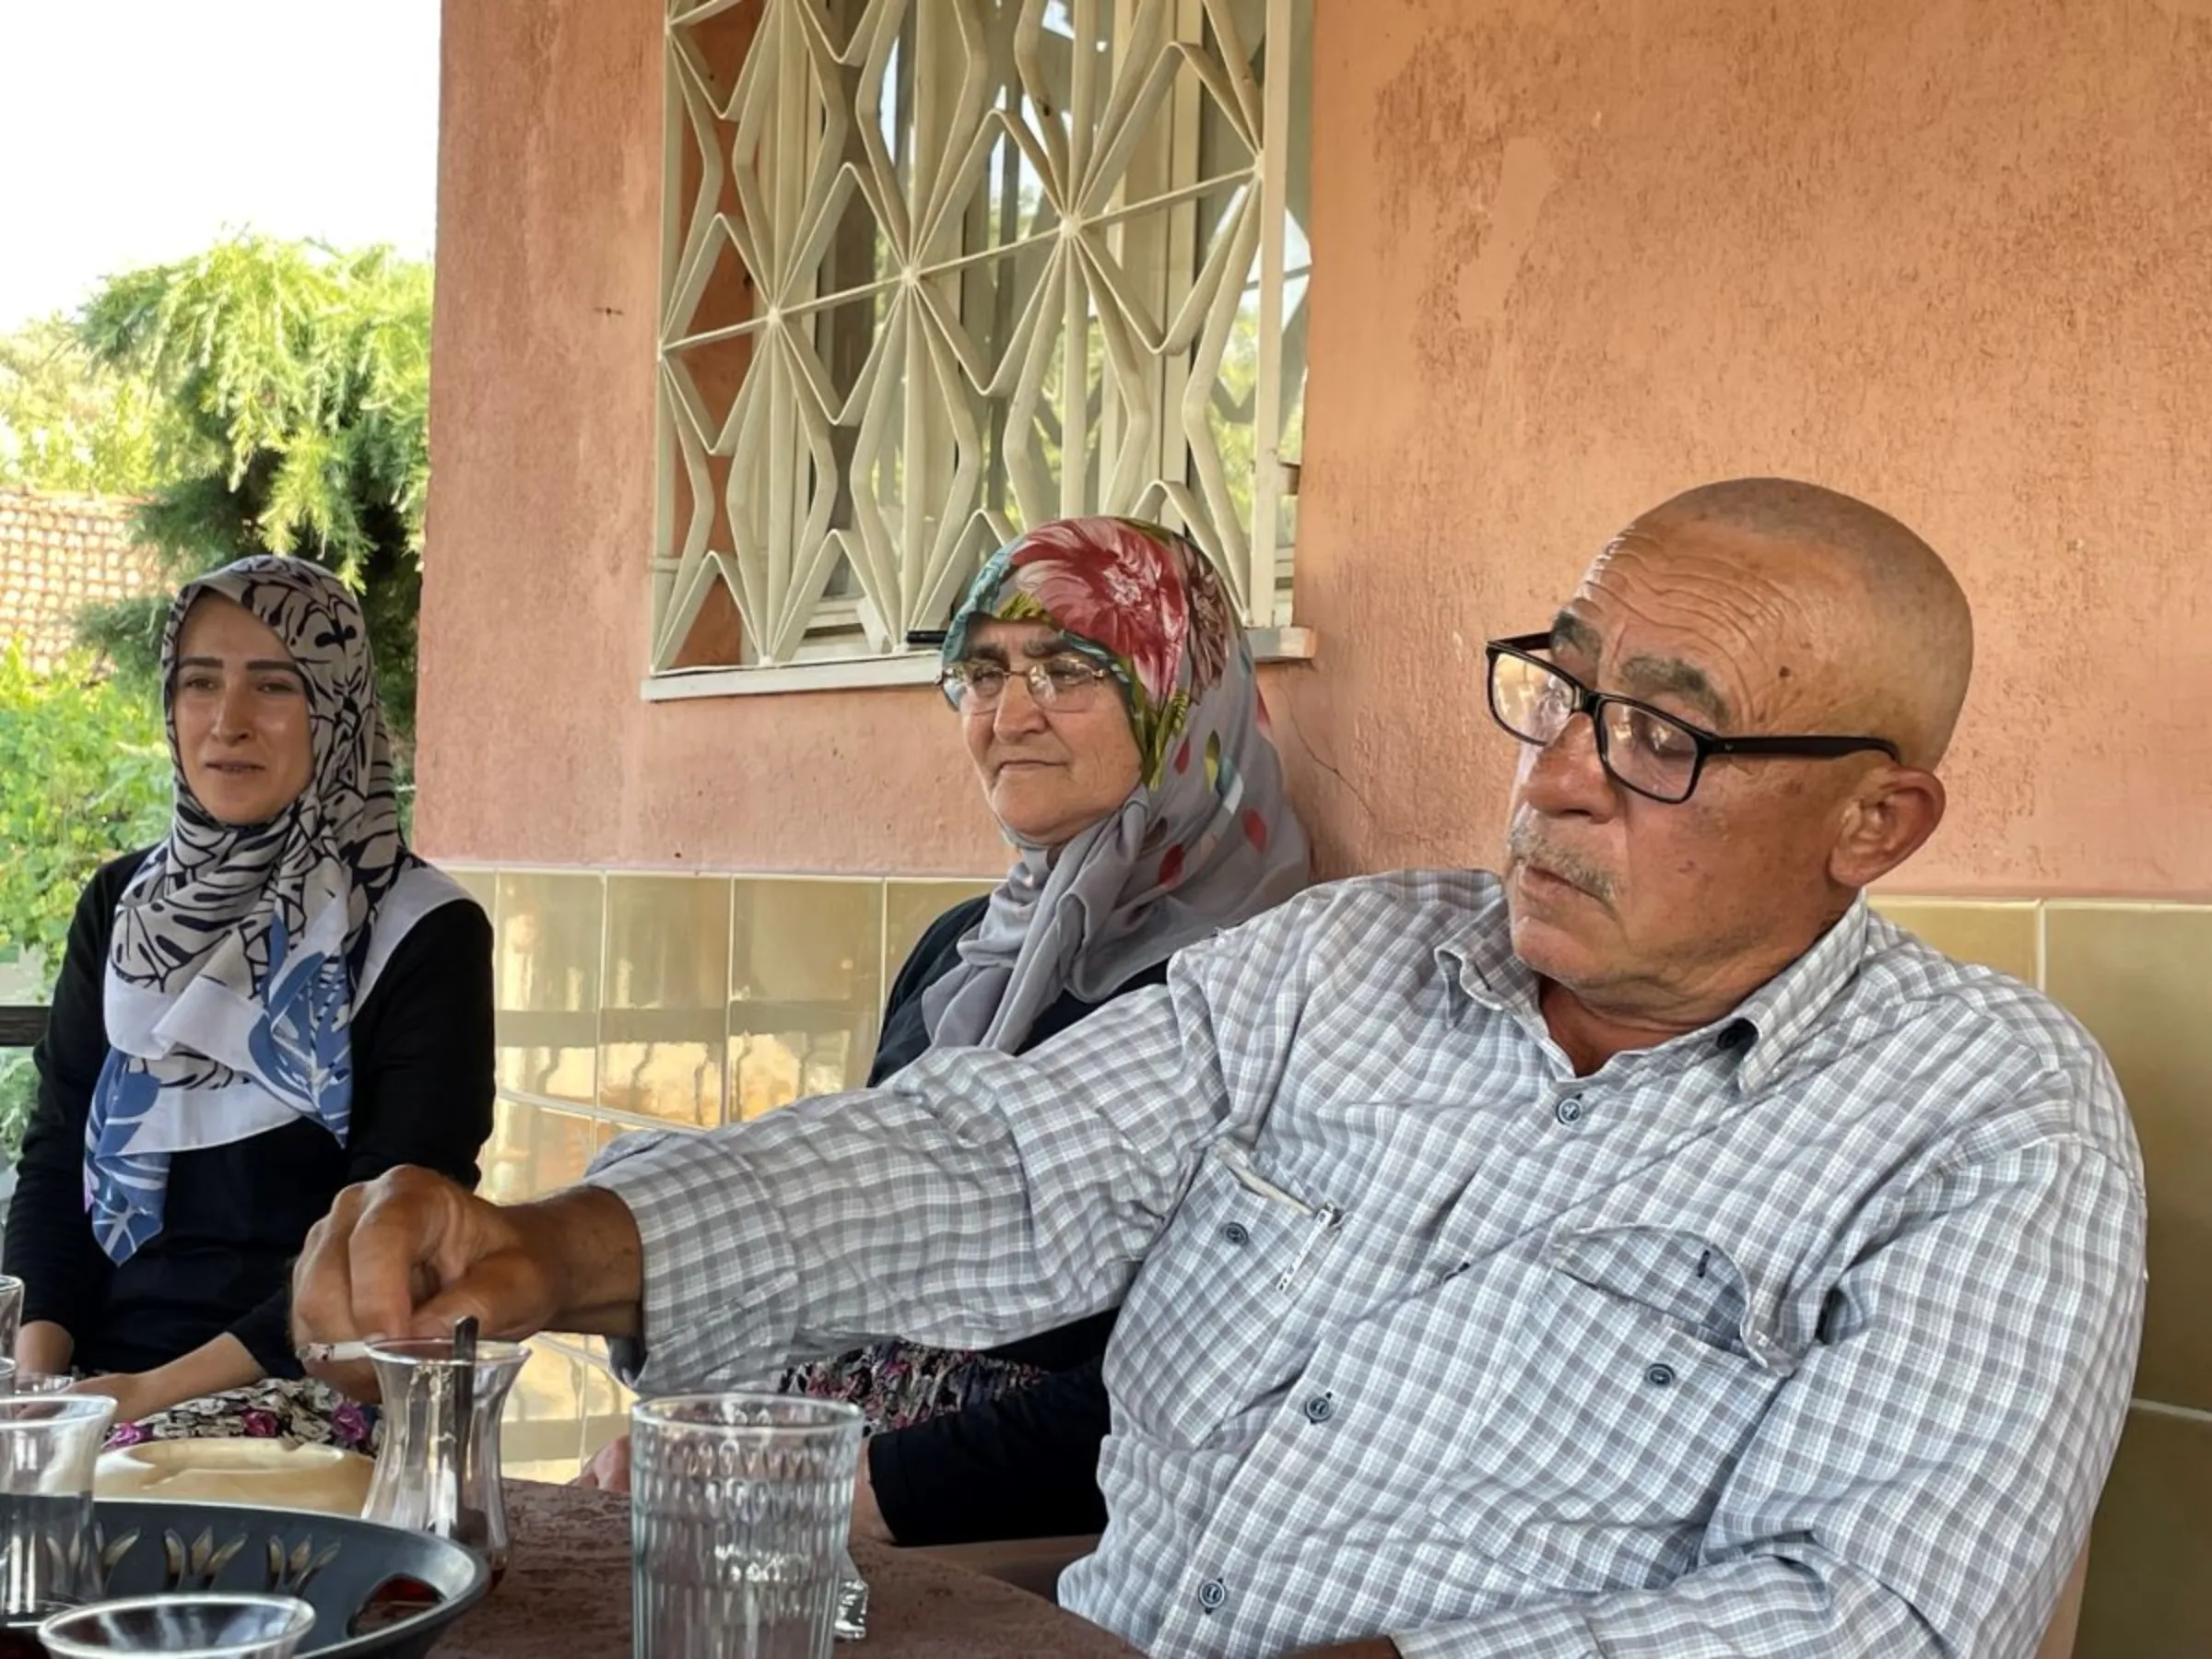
[(1586, 627)]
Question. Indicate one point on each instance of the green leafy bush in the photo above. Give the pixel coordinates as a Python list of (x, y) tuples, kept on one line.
[(84, 776)]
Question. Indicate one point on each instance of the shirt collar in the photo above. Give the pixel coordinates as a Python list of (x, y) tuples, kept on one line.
[(1786, 1010), (1762, 1031), (1480, 956)]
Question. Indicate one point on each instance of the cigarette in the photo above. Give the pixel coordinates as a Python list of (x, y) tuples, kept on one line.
[(331, 1353)]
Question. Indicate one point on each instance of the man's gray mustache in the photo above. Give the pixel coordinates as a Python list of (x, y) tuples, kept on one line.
[(1526, 844)]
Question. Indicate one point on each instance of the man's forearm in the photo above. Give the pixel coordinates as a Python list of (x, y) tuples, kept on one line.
[(1757, 1607), (586, 1242)]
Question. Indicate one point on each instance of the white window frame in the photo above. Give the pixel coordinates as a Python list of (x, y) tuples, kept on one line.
[(1168, 341)]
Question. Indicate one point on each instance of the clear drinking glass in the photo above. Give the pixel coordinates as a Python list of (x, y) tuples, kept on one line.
[(438, 1469), (11, 1313), (17, 1380), (213, 1625), (47, 1445), (739, 1508)]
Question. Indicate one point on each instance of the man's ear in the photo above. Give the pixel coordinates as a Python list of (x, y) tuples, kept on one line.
[(1887, 821)]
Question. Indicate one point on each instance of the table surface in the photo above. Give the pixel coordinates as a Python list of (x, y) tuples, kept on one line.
[(565, 1595)]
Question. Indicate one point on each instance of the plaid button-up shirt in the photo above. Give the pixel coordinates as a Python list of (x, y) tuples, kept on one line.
[(1810, 1333)]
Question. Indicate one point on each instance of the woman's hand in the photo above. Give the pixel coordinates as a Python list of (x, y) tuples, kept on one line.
[(608, 1470), (45, 1347), (219, 1364), (137, 1394)]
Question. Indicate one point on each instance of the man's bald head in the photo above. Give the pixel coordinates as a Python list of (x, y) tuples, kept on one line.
[(1888, 630), (1759, 608)]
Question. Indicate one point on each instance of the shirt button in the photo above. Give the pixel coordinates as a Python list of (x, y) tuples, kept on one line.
[(1568, 1110), (1234, 1233), (1659, 1376), (1212, 1594), (1320, 1409)]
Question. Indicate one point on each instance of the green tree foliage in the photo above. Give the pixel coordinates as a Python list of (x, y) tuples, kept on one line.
[(68, 424), (296, 380), (84, 776)]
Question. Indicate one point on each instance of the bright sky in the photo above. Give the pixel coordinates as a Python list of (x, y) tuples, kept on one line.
[(139, 131)]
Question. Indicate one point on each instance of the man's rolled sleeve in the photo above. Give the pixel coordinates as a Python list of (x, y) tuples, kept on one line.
[(710, 1314)]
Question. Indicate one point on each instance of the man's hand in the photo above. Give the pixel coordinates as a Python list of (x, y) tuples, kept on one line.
[(609, 1469), (411, 1253)]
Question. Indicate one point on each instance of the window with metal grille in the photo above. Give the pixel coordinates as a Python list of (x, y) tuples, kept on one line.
[(937, 269)]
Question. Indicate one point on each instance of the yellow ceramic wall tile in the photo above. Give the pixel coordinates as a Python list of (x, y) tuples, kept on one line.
[(2141, 981), (551, 925), (1999, 935), (535, 1150), (561, 1150), (806, 988), (2146, 1596), (663, 1014), (679, 1080), (606, 1404), (541, 1431), (909, 907), (772, 1069), (505, 1161), (600, 1430), (2140, 977), (807, 942)]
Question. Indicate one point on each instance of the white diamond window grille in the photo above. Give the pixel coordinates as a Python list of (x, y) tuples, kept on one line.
[(937, 269)]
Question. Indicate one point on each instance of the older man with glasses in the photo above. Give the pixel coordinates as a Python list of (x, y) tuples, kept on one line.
[(1648, 1250)]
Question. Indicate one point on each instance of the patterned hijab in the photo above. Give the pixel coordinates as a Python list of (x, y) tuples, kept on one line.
[(1205, 841), (238, 952)]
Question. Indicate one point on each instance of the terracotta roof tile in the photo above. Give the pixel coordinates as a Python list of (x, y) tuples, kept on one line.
[(58, 554)]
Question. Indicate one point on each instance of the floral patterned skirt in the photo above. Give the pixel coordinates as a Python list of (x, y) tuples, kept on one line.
[(896, 1383), (302, 1410)]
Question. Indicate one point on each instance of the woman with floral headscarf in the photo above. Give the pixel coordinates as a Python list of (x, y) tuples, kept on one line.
[(276, 1000), (1110, 708)]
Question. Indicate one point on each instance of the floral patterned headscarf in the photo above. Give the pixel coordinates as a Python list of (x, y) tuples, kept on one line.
[(1205, 840)]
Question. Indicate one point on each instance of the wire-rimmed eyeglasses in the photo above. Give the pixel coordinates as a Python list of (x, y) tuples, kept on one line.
[(1067, 683)]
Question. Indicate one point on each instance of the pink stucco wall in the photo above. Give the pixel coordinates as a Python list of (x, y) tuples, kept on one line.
[(535, 743), (1955, 255)]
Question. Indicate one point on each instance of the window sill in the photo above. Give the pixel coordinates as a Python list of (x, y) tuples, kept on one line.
[(907, 668)]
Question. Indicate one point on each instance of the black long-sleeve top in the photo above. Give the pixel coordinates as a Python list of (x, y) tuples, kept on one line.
[(1025, 1465), (235, 1216)]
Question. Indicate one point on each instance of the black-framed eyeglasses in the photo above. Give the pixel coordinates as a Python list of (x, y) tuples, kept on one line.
[(1069, 683), (1641, 747)]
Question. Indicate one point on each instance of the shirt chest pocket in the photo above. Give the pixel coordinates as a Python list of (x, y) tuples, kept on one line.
[(1246, 1248), (1631, 1380)]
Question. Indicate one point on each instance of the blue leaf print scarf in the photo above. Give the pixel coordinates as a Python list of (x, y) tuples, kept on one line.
[(239, 950)]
